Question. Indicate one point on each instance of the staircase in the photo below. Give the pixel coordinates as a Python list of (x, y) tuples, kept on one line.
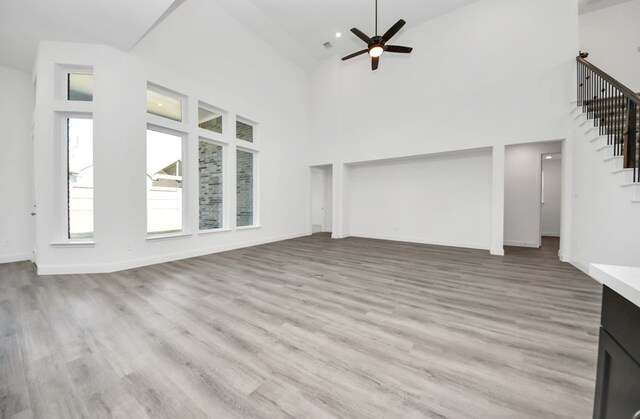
[(610, 114)]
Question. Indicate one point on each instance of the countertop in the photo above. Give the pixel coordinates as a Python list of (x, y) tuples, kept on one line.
[(625, 280)]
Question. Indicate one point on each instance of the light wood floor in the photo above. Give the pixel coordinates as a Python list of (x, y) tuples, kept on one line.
[(304, 328)]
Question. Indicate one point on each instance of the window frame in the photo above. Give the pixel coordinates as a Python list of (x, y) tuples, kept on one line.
[(162, 120), (184, 137), (253, 124), (255, 187), (61, 83), (225, 189), (61, 186), (203, 132)]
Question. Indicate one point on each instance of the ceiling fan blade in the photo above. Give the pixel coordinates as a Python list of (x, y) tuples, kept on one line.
[(374, 63), (398, 48), (361, 35), (392, 31), (355, 54)]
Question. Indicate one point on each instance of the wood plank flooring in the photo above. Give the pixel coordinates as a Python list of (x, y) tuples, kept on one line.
[(305, 328)]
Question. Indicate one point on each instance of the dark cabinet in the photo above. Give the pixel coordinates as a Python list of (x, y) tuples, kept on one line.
[(618, 381)]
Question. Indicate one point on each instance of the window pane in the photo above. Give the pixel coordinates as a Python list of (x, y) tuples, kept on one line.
[(80, 178), (210, 167), (164, 183), (244, 131), (164, 105), (244, 188), (209, 120), (80, 87)]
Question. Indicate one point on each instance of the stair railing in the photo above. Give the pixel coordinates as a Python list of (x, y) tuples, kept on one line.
[(614, 109)]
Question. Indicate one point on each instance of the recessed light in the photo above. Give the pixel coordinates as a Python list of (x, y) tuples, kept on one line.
[(338, 34), (159, 104), (549, 157)]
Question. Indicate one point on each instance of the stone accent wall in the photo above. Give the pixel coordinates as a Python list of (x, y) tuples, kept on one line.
[(210, 168), (214, 124), (244, 188), (244, 131)]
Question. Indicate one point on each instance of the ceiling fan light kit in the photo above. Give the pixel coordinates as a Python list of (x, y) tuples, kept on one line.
[(377, 45)]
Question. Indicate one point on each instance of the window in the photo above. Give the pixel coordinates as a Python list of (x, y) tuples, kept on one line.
[(209, 120), (244, 131), (80, 87), (244, 188), (163, 103), (164, 182), (79, 177), (211, 197)]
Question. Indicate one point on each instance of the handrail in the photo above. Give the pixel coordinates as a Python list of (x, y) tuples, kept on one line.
[(621, 87), (613, 107)]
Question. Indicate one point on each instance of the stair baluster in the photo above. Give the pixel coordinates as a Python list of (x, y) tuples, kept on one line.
[(613, 108)]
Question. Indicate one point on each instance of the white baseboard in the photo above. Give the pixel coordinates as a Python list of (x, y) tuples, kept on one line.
[(466, 245), (137, 263), (17, 257), (520, 244), (497, 251), (550, 234)]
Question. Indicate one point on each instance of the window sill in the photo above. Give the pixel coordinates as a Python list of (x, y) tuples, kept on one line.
[(160, 237), (248, 227), (74, 243), (214, 231)]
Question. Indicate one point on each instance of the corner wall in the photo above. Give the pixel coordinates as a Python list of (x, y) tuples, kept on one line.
[(482, 76), (16, 156), (187, 53), (439, 199), (605, 224)]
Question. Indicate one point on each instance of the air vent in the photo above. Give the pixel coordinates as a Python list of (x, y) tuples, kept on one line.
[(327, 45)]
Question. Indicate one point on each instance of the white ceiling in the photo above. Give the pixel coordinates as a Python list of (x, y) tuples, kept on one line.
[(309, 24), (119, 23), (298, 28)]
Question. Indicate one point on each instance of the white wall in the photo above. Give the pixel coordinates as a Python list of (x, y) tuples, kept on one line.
[(550, 210), (190, 53), (522, 192), (612, 38), (16, 192), (442, 199), (605, 224), (481, 75), (484, 75)]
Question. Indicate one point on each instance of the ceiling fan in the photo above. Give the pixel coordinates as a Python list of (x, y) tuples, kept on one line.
[(376, 45)]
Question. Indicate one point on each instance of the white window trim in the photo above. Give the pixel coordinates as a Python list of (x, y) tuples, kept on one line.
[(186, 228), (61, 82), (226, 210), (157, 119), (244, 143), (256, 181), (215, 136), (60, 187)]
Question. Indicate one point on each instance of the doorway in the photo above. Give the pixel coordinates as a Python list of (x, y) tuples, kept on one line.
[(550, 196), (321, 199), (533, 195)]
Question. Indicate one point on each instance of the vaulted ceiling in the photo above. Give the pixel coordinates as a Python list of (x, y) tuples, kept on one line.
[(119, 23), (297, 28)]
